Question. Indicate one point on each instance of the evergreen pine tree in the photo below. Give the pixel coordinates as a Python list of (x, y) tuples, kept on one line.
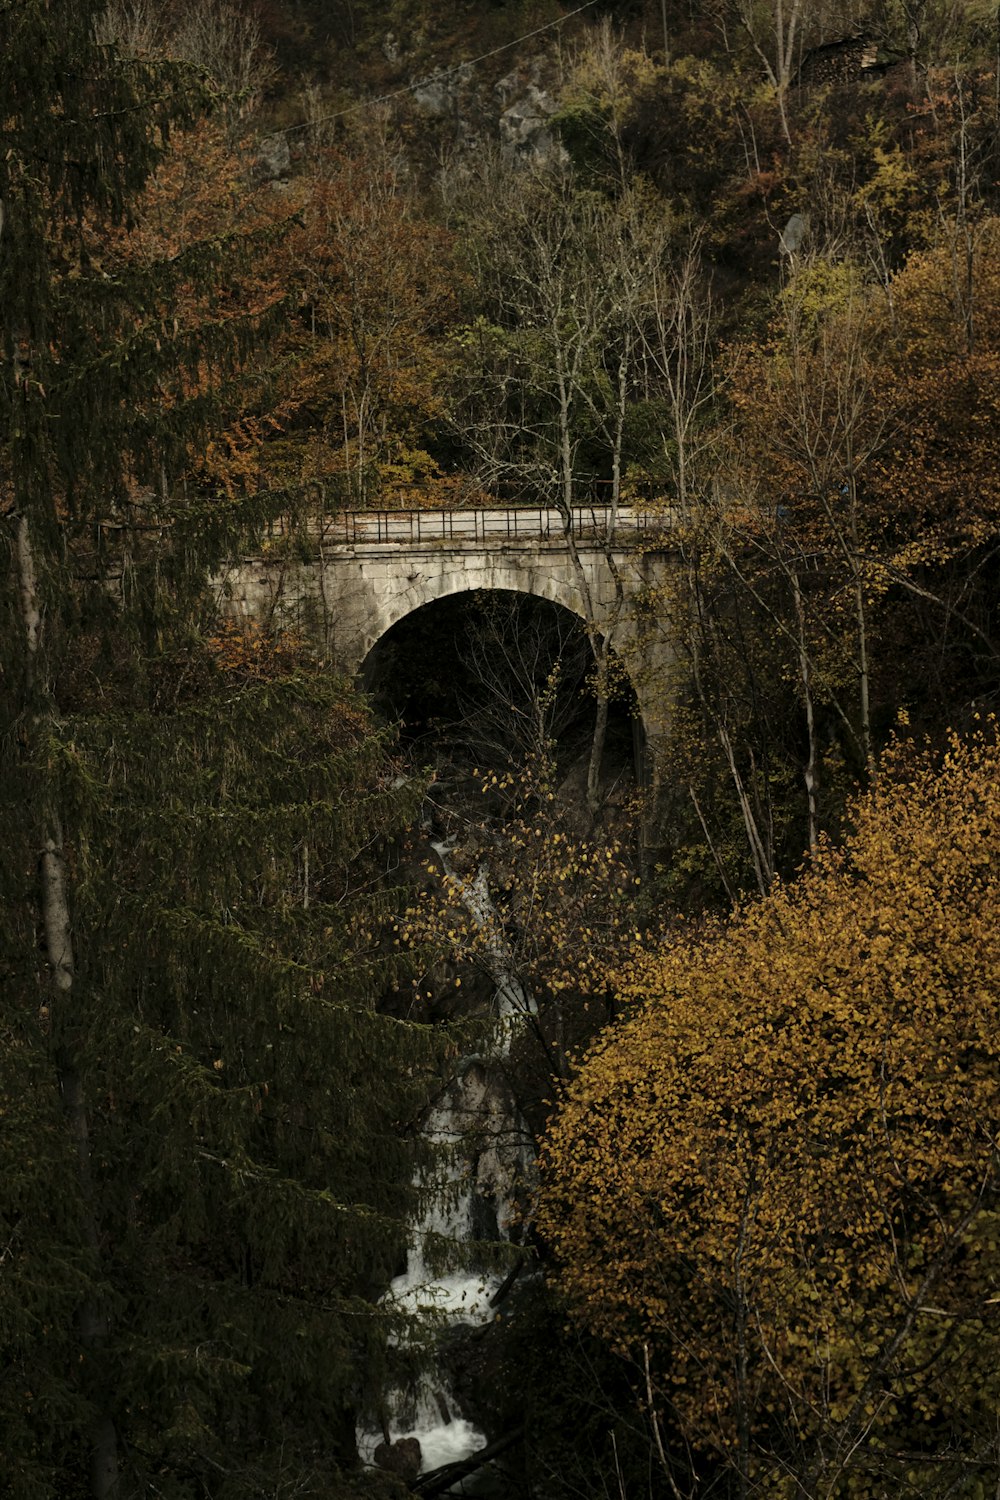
[(204, 1151)]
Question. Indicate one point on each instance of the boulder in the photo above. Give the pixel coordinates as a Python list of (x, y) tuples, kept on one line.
[(273, 159), (402, 1458), (524, 126)]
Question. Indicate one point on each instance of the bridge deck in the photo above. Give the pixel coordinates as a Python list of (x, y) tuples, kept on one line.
[(527, 523)]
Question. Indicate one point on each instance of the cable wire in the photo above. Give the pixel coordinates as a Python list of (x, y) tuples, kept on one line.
[(445, 73)]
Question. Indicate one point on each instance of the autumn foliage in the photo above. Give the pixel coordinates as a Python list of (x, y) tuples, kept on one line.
[(775, 1185)]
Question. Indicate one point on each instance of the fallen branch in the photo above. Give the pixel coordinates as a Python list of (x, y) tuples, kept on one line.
[(439, 1481)]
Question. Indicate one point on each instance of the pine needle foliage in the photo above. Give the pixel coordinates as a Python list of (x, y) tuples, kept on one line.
[(207, 1122), (250, 1107)]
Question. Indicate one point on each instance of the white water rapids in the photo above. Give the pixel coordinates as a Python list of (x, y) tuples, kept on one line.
[(468, 1108)]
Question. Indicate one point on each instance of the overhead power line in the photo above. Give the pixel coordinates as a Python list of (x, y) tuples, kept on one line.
[(408, 88)]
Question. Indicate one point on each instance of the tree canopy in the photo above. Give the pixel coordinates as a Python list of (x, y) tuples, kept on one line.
[(233, 293), (777, 1180), (208, 1124)]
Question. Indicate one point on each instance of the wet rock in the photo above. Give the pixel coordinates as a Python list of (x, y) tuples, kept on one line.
[(482, 1365), (402, 1458), (502, 1148), (465, 860)]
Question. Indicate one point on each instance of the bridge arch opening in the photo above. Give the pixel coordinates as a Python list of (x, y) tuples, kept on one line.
[(484, 677)]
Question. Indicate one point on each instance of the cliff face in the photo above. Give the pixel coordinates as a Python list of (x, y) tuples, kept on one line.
[(452, 79)]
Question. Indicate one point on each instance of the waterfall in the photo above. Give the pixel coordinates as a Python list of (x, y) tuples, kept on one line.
[(474, 1184)]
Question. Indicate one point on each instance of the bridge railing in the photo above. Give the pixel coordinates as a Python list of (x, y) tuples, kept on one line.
[(488, 525)]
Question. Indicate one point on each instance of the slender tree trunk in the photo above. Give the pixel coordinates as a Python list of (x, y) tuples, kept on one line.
[(759, 852), (599, 645), (599, 739), (963, 253), (58, 947), (861, 614), (603, 684), (716, 856), (785, 30), (762, 863), (654, 1423), (678, 350), (810, 775), (796, 638), (345, 430)]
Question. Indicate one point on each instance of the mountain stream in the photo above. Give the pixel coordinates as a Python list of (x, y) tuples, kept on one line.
[(486, 1153)]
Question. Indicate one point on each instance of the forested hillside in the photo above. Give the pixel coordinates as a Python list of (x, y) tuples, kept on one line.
[(731, 263)]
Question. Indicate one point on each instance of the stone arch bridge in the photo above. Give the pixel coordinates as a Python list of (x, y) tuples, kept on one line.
[(347, 581)]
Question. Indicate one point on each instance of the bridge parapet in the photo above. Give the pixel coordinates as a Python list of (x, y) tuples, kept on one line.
[(488, 525)]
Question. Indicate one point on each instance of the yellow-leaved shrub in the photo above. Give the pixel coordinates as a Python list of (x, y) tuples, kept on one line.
[(775, 1184)]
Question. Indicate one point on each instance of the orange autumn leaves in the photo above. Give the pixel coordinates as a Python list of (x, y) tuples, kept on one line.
[(339, 295), (895, 390), (365, 349)]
